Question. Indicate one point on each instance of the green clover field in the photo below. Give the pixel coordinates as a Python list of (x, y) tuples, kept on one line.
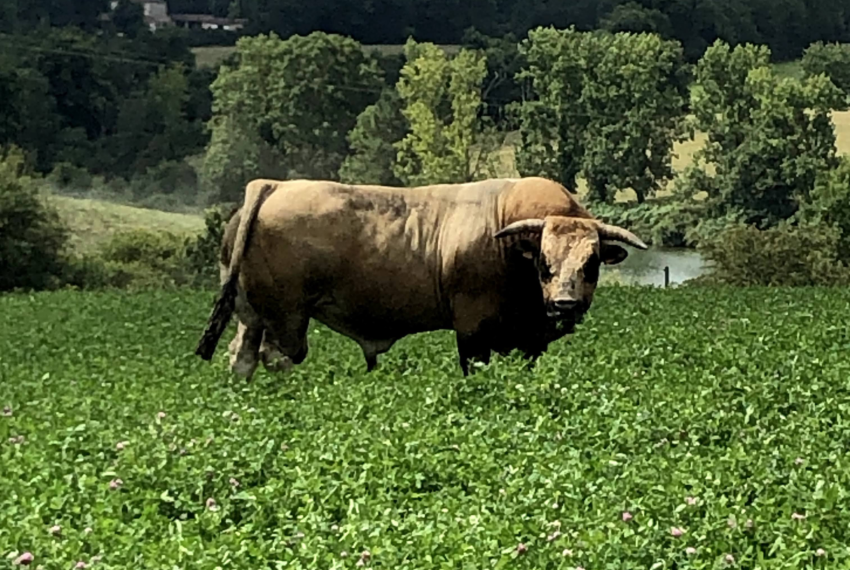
[(684, 428)]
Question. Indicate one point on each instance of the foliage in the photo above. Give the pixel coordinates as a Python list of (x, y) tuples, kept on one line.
[(159, 112), (768, 137), (202, 252), (32, 237), (667, 222), (787, 26), (500, 86), (373, 154), (634, 94), (293, 99), (783, 255), (441, 102), (236, 154), (717, 411), (609, 106), (552, 123), (833, 60), (109, 104), (829, 205)]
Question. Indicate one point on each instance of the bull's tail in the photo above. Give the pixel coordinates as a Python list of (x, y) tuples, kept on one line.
[(225, 304)]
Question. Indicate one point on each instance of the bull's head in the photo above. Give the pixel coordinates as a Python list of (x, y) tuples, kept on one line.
[(568, 253)]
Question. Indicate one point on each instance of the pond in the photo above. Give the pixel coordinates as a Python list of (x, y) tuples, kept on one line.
[(647, 267)]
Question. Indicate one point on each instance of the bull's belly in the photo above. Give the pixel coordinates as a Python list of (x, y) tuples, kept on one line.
[(379, 320)]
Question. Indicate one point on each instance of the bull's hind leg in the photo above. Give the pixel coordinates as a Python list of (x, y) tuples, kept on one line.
[(285, 343), (244, 349)]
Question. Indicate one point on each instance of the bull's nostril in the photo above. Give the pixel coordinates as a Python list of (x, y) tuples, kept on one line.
[(565, 304)]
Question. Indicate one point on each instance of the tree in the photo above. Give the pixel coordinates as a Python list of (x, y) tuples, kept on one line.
[(32, 236), (833, 60), (828, 204), (551, 120), (504, 61), (636, 18), (442, 99), (28, 116), (372, 141), (153, 125), (129, 18), (769, 137), (299, 96), (235, 154), (633, 93), (608, 106)]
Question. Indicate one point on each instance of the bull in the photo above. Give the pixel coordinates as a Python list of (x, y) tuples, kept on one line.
[(507, 264)]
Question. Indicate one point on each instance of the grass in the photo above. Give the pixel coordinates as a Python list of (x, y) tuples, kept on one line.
[(93, 222), (744, 412)]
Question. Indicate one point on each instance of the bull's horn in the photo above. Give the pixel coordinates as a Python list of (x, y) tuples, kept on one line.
[(616, 233), (531, 225)]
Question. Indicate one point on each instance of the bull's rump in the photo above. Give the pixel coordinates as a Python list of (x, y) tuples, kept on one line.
[(368, 261)]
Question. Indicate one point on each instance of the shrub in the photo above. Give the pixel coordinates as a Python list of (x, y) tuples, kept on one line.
[(172, 178), (785, 255), (68, 176), (140, 259), (32, 236), (202, 252)]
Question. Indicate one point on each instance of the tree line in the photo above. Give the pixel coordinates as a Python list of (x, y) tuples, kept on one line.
[(787, 27)]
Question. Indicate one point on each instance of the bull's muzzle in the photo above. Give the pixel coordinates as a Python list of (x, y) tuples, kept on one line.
[(566, 309)]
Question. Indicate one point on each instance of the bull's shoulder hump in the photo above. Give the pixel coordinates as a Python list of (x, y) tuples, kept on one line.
[(538, 197)]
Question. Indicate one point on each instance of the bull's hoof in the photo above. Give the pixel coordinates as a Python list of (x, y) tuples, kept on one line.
[(279, 364), (243, 367)]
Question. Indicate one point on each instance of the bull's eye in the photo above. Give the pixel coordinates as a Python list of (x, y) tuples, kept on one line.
[(591, 269)]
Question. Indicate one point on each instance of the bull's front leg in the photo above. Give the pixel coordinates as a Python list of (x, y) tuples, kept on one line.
[(471, 348)]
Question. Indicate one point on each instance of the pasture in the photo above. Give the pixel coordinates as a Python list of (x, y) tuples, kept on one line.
[(681, 428), (91, 223)]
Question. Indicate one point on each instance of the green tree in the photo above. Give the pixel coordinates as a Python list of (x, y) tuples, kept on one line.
[(828, 204), (442, 100), (833, 60), (32, 236), (635, 18), (236, 154), (551, 119), (634, 96), (500, 87), (372, 140), (153, 125), (129, 18), (28, 117), (298, 98), (768, 137)]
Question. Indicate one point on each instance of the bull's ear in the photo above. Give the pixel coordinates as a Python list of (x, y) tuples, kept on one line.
[(529, 226), (612, 253)]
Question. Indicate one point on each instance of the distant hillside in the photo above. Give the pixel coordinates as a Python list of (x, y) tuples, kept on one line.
[(93, 222)]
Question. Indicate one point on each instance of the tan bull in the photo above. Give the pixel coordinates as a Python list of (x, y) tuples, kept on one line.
[(505, 263)]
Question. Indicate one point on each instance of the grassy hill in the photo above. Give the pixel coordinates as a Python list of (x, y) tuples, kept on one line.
[(93, 222)]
